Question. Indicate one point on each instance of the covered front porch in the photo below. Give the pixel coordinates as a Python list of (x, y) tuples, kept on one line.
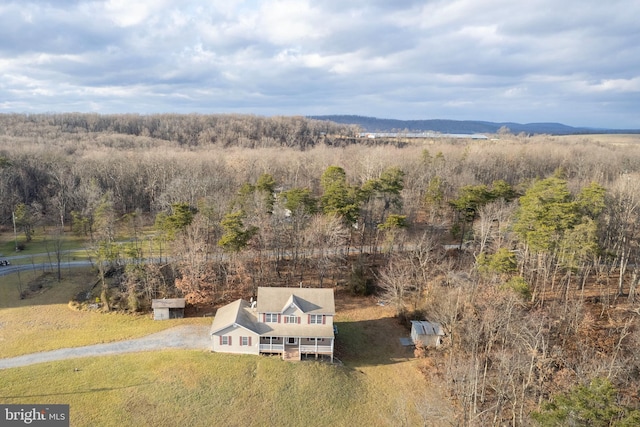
[(292, 348)]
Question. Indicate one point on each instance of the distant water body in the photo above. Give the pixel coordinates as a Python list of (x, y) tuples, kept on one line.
[(373, 135)]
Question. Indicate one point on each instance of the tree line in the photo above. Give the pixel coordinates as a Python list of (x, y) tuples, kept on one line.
[(184, 130), (525, 248)]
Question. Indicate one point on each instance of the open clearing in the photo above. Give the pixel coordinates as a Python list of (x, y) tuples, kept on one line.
[(379, 383), (45, 322)]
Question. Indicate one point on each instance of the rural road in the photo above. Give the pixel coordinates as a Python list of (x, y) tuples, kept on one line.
[(6, 270), (52, 265), (194, 337)]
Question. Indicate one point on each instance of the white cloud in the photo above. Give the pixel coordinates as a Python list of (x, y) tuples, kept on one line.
[(492, 60), (290, 22), (515, 92), (617, 85), (126, 13)]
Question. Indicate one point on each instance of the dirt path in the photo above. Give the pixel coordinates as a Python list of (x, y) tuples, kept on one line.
[(187, 337)]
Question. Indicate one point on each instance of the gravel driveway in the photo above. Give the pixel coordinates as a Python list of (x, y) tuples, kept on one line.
[(194, 337)]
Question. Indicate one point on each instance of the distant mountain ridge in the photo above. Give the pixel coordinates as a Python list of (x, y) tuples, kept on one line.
[(373, 124)]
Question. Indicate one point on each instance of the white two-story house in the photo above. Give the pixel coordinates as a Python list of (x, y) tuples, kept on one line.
[(287, 321)]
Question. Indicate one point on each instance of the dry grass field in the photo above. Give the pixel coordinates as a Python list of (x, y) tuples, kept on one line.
[(614, 139), (378, 383), (44, 321)]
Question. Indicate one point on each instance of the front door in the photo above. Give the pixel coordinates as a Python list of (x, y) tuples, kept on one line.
[(291, 349)]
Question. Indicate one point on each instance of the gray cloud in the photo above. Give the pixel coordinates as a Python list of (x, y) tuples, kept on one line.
[(575, 62)]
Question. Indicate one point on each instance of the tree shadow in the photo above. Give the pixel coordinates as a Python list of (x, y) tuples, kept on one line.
[(371, 342)]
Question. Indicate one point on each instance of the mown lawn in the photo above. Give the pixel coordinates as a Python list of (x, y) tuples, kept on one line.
[(194, 388), (378, 384)]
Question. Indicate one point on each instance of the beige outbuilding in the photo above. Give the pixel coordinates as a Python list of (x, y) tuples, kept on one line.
[(168, 308)]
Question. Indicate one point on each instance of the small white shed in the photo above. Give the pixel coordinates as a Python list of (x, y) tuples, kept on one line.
[(428, 333), (168, 308)]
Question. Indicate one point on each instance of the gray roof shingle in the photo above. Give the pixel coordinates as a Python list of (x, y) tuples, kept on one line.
[(276, 300), (308, 300), (239, 313)]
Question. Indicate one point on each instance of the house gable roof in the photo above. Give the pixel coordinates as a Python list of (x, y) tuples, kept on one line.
[(237, 313), (308, 300), (295, 302)]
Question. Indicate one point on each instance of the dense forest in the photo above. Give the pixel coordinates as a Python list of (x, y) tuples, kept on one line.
[(526, 249)]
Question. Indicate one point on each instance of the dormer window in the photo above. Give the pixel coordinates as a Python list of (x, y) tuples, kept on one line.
[(291, 319)]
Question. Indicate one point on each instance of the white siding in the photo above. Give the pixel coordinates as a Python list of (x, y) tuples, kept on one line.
[(427, 340), (328, 320), (161, 313), (236, 333), (304, 318)]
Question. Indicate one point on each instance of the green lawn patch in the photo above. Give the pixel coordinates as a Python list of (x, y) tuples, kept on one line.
[(42, 242)]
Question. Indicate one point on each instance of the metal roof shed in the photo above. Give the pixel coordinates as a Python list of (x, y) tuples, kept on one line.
[(168, 308), (427, 333)]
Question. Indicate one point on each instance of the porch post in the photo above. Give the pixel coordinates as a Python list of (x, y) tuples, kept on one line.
[(284, 348)]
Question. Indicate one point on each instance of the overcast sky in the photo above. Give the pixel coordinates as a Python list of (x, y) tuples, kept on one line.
[(571, 61)]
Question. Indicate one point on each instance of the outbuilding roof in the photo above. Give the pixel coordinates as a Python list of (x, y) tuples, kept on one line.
[(422, 327), (168, 303)]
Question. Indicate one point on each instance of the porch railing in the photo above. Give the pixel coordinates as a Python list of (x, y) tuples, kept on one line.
[(315, 349), (271, 347)]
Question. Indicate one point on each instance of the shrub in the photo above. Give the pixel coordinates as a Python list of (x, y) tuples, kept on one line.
[(358, 283), (519, 286), (594, 404)]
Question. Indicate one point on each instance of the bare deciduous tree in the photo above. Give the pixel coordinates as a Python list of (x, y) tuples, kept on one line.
[(325, 240), (396, 283)]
